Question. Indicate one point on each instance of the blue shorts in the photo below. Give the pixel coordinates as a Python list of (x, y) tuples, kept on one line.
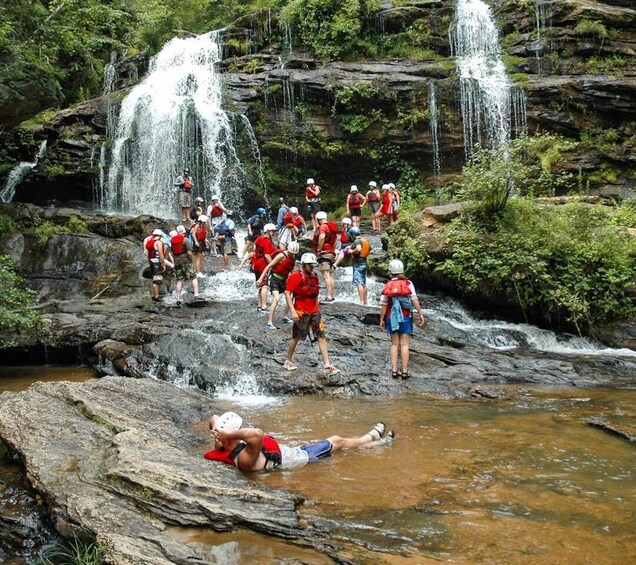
[(318, 450), (360, 274), (406, 327)]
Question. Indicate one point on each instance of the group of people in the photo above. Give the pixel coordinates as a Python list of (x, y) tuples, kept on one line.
[(382, 204)]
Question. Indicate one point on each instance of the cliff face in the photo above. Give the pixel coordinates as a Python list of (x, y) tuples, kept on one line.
[(572, 64)]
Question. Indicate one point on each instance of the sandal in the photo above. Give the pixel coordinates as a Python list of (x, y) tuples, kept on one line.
[(332, 370), (396, 374), (380, 428), (405, 376)]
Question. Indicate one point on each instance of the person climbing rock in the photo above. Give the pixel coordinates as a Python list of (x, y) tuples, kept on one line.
[(355, 202), (345, 242), (215, 212), (185, 184), (156, 260), (224, 232), (325, 238), (183, 263), (264, 248), (279, 268), (373, 200), (397, 304), (359, 251), (396, 197), (250, 449), (312, 196), (301, 292), (255, 225), (198, 235)]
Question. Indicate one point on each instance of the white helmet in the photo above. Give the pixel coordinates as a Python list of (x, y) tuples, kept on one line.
[(385, 187), (270, 227), (373, 183), (346, 221), (391, 185), (157, 232), (215, 197), (202, 218), (396, 267), (310, 181), (308, 259), (293, 210), (321, 216), (354, 188), (181, 229), (173, 233), (293, 247), (229, 422)]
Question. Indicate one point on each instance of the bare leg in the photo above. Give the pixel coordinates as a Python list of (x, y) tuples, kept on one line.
[(405, 340), (272, 308), (339, 259), (395, 344), (330, 284), (362, 294), (322, 345), (292, 347), (178, 290), (339, 443), (195, 286), (262, 297)]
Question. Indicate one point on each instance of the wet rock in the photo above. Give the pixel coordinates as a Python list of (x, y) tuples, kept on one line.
[(130, 463), (623, 431), (619, 334)]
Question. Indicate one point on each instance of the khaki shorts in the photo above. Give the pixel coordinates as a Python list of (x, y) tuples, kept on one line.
[(183, 270), (326, 261), (308, 322), (185, 199)]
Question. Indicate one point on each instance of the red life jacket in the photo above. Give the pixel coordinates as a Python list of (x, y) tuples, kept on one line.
[(178, 244), (311, 195), (373, 196), (399, 288), (223, 455), (272, 452), (344, 236), (331, 235), (151, 250), (286, 266), (355, 201), (201, 233), (187, 185), (309, 286), (216, 211)]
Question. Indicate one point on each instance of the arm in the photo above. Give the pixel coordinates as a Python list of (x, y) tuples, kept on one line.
[(348, 209), (162, 257), (416, 303), (383, 308), (321, 242), (290, 304), (269, 267)]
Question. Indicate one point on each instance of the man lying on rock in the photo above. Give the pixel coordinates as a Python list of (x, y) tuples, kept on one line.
[(249, 449)]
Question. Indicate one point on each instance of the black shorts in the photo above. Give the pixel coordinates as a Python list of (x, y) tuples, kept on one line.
[(156, 271), (313, 207), (276, 284), (356, 212)]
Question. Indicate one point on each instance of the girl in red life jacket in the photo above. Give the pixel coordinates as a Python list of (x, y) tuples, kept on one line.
[(278, 270), (355, 201), (386, 210), (199, 246), (397, 303)]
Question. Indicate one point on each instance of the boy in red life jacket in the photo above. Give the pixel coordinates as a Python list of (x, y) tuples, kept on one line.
[(264, 248), (301, 292), (184, 263), (399, 301), (325, 238), (279, 268), (355, 202), (199, 242), (156, 260), (312, 196), (251, 450)]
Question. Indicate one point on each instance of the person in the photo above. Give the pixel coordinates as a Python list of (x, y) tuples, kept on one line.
[(255, 226), (345, 241), (312, 196), (197, 208), (224, 232), (198, 234), (215, 212), (185, 185), (282, 210), (359, 251), (397, 200), (386, 209), (290, 229), (355, 202), (373, 200), (279, 268), (183, 263), (301, 293), (397, 303), (264, 248), (251, 450), (325, 248), (156, 259)]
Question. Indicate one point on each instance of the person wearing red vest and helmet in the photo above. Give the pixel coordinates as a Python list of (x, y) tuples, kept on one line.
[(324, 241), (279, 268), (184, 263), (397, 304), (185, 185), (264, 248), (355, 202), (154, 248), (250, 449), (312, 196), (301, 292)]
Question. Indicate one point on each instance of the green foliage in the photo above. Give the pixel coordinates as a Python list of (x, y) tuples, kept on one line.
[(7, 226), (595, 28), (406, 244), (17, 315), (410, 120), (331, 29), (614, 64), (359, 123), (354, 97), (77, 225), (44, 230), (568, 263), (78, 550), (55, 170)]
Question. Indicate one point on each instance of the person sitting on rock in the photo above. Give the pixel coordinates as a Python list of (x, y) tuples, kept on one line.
[(345, 242), (185, 185), (251, 450)]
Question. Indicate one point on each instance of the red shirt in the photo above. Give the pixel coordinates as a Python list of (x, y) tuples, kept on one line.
[(304, 305), (262, 246), (329, 244)]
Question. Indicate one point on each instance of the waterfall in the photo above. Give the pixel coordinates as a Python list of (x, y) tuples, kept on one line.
[(484, 86), (18, 174), (170, 121), (288, 39), (256, 152), (519, 116), (543, 20), (434, 126)]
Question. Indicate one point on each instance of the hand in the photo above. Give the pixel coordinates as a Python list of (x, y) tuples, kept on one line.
[(295, 316), (421, 321), (382, 323)]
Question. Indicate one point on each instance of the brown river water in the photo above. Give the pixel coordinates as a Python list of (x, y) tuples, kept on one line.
[(520, 479)]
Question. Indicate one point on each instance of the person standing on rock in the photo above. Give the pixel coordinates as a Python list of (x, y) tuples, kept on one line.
[(185, 184), (355, 202), (197, 209), (224, 232), (250, 449), (279, 268), (397, 201), (198, 234), (359, 251), (255, 226), (397, 304), (312, 196), (386, 210), (301, 292), (264, 248), (184, 263), (373, 200), (156, 260), (215, 213), (282, 210), (324, 241)]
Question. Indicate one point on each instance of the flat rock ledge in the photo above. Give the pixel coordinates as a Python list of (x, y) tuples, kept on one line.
[(122, 459)]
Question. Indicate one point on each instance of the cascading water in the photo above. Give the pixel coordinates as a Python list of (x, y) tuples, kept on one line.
[(543, 20), (485, 88), (18, 174), (434, 126), (170, 121)]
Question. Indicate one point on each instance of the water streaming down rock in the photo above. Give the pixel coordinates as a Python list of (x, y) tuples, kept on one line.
[(256, 152), (485, 88), (173, 120), (543, 21), (18, 174), (434, 126), (519, 114)]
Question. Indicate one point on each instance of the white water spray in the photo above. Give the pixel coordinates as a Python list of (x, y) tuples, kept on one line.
[(434, 126), (173, 120), (19, 173), (485, 88)]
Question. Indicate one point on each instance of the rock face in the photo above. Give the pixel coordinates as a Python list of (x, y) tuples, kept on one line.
[(344, 122), (130, 463)]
